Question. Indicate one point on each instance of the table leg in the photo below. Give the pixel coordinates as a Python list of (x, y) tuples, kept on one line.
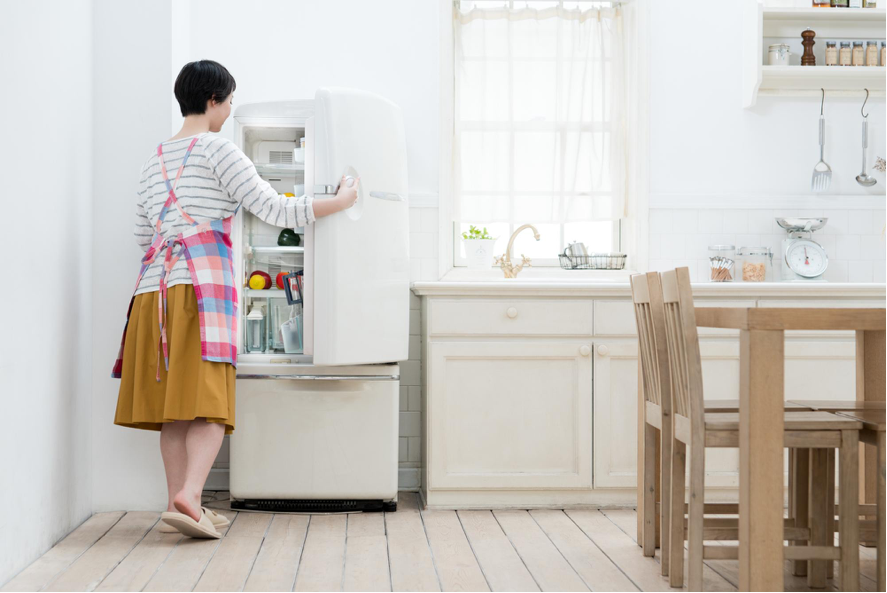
[(882, 509), (761, 429), (870, 386)]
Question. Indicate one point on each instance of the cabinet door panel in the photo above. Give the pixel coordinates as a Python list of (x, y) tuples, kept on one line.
[(509, 415)]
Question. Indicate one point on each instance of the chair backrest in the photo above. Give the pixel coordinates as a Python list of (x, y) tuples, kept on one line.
[(682, 339), (646, 294)]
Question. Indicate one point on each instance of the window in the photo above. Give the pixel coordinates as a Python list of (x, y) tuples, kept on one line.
[(539, 124)]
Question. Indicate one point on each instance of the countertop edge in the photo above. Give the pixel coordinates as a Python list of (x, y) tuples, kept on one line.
[(623, 289)]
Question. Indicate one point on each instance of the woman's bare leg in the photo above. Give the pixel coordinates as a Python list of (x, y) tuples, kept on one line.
[(202, 444), (175, 457)]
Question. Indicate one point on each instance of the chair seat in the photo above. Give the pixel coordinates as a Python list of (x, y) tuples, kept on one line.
[(871, 419), (839, 405), (793, 421), (732, 405)]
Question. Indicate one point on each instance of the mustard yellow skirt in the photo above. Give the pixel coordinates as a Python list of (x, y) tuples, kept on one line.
[(192, 388)]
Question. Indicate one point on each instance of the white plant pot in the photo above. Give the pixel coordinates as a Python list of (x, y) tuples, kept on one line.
[(479, 253)]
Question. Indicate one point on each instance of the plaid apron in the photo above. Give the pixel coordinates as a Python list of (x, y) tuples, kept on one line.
[(208, 252)]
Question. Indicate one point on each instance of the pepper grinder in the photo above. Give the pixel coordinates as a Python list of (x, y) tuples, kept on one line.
[(808, 59)]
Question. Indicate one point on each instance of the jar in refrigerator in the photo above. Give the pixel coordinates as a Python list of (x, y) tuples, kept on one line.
[(831, 53), (871, 53), (844, 56), (778, 54), (858, 54), (756, 263), (721, 260)]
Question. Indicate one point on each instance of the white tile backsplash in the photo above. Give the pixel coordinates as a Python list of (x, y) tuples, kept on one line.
[(854, 239)]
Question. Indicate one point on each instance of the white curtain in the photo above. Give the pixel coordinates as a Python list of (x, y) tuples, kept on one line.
[(540, 114)]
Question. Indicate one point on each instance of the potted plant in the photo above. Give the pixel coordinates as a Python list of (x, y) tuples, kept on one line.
[(478, 248)]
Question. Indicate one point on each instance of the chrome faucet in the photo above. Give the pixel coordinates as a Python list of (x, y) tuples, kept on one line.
[(504, 260)]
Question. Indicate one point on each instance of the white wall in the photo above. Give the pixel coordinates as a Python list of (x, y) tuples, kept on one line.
[(721, 173), (132, 85), (276, 50), (46, 167)]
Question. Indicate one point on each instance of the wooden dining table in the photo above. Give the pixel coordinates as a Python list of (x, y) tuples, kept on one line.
[(761, 404)]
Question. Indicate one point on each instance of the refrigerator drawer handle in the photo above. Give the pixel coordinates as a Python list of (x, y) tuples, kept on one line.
[(385, 195), (324, 377)]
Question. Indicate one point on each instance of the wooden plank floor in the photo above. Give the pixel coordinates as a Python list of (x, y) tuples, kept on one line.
[(409, 550)]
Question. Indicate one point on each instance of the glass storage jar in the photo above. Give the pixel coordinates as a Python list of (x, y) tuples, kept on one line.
[(756, 264), (721, 259), (871, 53), (778, 54)]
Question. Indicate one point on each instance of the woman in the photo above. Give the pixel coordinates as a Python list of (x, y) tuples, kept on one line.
[(178, 355)]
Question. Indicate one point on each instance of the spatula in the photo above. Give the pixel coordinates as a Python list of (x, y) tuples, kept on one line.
[(822, 173)]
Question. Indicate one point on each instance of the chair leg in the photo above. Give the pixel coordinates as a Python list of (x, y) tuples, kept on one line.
[(651, 435), (799, 496), (667, 444), (816, 570), (882, 508), (830, 515), (849, 510), (676, 533), (696, 515)]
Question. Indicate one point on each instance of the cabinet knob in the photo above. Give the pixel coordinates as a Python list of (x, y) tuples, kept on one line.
[(511, 312), (602, 350), (584, 350)]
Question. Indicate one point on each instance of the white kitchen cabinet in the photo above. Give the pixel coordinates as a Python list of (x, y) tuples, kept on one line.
[(517, 416), (513, 414), (615, 410)]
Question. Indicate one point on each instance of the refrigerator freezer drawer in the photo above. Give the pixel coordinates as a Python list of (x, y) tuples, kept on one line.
[(315, 439)]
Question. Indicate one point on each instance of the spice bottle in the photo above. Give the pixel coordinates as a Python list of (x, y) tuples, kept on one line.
[(840, 3), (844, 54), (883, 54), (871, 53), (858, 54), (831, 53)]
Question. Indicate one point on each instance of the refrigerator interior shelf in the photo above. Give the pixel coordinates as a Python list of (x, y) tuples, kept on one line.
[(280, 170), (276, 249), (270, 293)]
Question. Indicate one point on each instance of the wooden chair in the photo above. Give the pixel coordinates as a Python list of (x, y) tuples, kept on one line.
[(694, 429), (872, 415), (654, 476)]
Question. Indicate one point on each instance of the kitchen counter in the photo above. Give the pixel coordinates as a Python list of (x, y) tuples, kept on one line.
[(619, 287)]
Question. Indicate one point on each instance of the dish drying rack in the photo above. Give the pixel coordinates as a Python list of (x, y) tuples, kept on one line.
[(593, 261)]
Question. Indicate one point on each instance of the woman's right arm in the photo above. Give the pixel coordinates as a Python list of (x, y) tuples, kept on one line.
[(237, 174)]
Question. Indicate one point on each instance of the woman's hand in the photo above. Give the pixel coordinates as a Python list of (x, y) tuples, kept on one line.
[(346, 196)]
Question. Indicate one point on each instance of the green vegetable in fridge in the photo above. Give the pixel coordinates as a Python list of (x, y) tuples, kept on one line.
[(288, 238)]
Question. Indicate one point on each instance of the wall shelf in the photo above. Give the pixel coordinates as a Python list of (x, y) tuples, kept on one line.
[(762, 26)]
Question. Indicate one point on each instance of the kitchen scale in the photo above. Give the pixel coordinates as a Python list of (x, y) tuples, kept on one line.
[(803, 258)]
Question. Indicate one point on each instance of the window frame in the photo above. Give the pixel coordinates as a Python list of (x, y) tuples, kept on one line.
[(630, 231)]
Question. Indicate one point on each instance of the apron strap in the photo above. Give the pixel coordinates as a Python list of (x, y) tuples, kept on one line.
[(171, 186)]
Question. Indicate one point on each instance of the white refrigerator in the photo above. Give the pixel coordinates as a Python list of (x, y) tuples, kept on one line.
[(317, 416)]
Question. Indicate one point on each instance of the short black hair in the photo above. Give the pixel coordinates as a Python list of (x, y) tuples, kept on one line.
[(200, 81)]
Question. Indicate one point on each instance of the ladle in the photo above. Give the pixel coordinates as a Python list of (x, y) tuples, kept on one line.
[(864, 179)]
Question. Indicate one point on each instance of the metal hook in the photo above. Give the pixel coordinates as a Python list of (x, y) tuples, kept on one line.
[(821, 103), (862, 109)]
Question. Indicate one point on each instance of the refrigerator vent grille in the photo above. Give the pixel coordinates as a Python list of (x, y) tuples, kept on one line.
[(280, 157), (314, 505)]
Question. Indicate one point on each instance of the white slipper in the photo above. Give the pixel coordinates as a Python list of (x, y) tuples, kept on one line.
[(218, 521), (203, 529)]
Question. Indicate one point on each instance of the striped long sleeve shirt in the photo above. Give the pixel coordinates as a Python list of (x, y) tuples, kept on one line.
[(217, 177)]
